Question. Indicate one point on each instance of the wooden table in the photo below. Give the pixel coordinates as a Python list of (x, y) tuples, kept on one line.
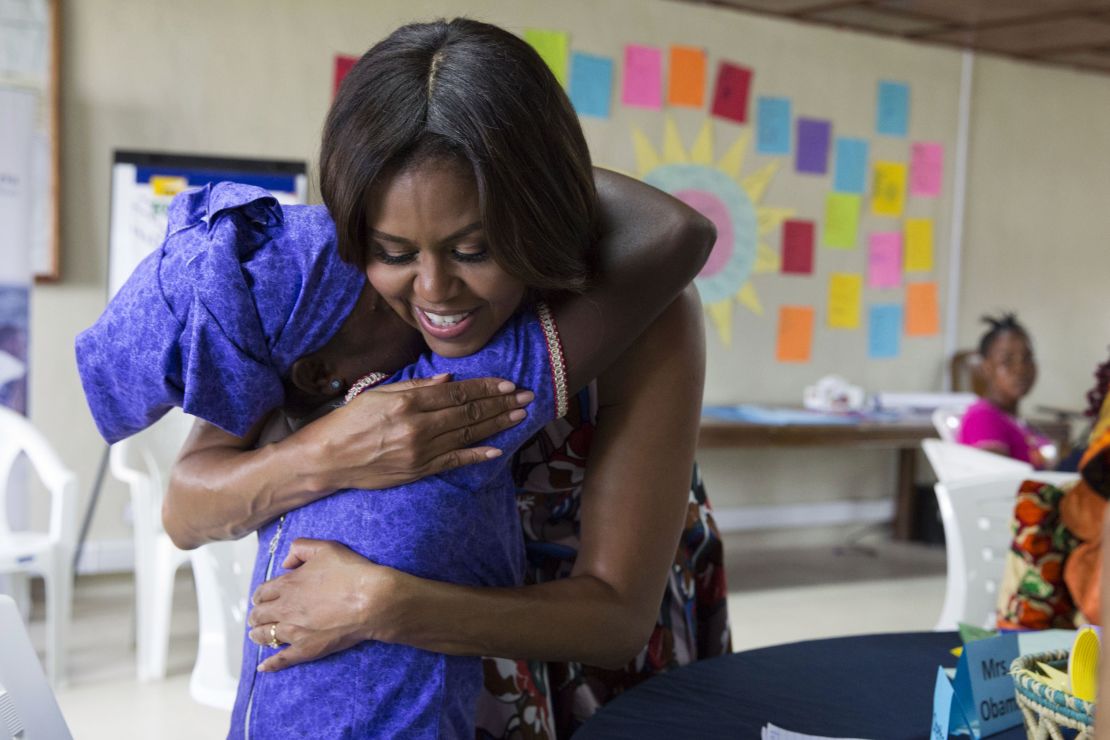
[(903, 435)]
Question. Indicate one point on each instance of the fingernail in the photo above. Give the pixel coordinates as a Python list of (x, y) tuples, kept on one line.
[(490, 454), (525, 397), (517, 415), (262, 668), (440, 375), (505, 387)]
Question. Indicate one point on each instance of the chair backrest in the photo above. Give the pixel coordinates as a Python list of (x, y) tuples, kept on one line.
[(976, 513), (143, 462), (27, 705), (964, 372), (19, 437), (952, 461), (946, 420)]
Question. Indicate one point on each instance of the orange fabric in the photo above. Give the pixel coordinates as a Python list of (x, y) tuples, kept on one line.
[(1082, 511)]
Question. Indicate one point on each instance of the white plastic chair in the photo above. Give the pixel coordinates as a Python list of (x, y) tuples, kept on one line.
[(976, 513), (946, 420), (222, 571), (143, 462), (952, 461), (47, 554)]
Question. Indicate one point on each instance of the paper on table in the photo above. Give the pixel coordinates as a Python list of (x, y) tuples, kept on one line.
[(771, 732)]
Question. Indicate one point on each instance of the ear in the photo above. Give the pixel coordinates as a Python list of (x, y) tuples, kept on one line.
[(312, 375)]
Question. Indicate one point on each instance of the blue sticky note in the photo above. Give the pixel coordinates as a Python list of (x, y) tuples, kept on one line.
[(942, 707), (591, 84), (850, 175), (884, 331), (772, 121), (892, 113)]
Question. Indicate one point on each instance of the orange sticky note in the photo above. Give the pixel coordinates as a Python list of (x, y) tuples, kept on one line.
[(922, 310), (686, 81), (795, 334)]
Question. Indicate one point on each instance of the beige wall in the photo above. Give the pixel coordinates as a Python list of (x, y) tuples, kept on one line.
[(253, 78)]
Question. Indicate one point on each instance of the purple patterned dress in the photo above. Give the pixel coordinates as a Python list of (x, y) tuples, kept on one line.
[(460, 526)]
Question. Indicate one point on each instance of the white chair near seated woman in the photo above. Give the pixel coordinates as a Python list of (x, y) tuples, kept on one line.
[(953, 461), (221, 570), (976, 512), (47, 554)]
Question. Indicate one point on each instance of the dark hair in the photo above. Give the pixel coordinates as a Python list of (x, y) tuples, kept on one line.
[(1006, 322), (1097, 395), (467, 90)]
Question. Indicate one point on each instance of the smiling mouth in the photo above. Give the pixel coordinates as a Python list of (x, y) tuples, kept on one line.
[(443, 325)]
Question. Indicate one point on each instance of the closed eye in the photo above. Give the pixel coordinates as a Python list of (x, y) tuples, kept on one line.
[(392, 258)]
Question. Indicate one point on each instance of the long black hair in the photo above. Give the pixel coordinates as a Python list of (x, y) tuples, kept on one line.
[(474, 92)]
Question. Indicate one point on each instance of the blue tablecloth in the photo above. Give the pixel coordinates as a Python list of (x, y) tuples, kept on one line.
[(873, 686)]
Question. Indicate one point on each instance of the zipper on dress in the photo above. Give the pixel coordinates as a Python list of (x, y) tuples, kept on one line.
[(258, 657)]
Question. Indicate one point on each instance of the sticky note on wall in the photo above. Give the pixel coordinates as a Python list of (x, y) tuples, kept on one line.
[(730, 94), (643, 77), (591, 85), (922, 310), (795, 335), (686, 77), (850, 173), (841, 220), (553, 47), (797, 247), (812, 149), (919, 244), (884, 331), (884, 259), (926, 169), (845, 290), (888, 195), (772, 123), (892, 108)]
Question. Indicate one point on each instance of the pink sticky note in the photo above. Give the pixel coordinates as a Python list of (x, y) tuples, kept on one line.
[(884, 259), (797, 247), (730, 96), (643, 77), (926, 169)]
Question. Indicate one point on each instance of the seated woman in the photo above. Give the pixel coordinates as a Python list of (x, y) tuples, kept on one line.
[(1009, 369), (452, 272)]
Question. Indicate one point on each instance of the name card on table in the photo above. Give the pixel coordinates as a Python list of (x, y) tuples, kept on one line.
[(979, 700)]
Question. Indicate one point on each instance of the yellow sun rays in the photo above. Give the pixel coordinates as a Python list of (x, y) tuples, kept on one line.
[(731, 163)]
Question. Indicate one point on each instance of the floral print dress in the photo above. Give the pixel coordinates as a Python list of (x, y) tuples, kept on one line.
[(533, 699)]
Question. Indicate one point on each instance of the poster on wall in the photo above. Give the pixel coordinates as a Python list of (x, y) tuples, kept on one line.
[(17, 119), (144, 183)]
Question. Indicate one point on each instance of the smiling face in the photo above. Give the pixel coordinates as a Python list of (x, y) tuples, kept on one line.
[(430, 261)]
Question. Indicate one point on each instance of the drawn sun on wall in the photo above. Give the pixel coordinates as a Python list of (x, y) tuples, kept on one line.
[(730, 201)]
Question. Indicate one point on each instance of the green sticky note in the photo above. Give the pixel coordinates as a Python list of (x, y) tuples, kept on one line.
[(553, 47), (841, 220)]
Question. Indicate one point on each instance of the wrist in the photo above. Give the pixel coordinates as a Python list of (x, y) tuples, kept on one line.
[(386, 596)]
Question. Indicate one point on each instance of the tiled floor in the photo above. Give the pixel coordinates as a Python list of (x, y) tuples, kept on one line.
[(775, 596)]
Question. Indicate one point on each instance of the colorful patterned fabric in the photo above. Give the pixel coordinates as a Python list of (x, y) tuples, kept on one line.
[(1033, 594), (531, 699)]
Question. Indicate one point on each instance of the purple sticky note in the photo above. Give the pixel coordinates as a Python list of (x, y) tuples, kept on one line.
[(884, 259), (813, 146), (643, 77), (926, 169)]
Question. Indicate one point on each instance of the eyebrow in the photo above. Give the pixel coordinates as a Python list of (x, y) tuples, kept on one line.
[(464, 231)]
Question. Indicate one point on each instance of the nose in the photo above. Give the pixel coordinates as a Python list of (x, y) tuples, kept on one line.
[(434, 281)]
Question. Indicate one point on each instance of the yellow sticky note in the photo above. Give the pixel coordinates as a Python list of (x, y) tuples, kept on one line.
[(553, 47), (795, 334), (844, 300), (888, 194), (919, 245), (922, 310), (841, 220), (168, 184)]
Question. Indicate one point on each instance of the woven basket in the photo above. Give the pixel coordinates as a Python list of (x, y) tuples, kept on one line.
[(1044, 708)]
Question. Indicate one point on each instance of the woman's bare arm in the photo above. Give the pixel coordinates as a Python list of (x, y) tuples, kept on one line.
[(633, 509), (221, 488)]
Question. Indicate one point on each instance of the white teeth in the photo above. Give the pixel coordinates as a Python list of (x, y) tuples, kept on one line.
[(444, 320)]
